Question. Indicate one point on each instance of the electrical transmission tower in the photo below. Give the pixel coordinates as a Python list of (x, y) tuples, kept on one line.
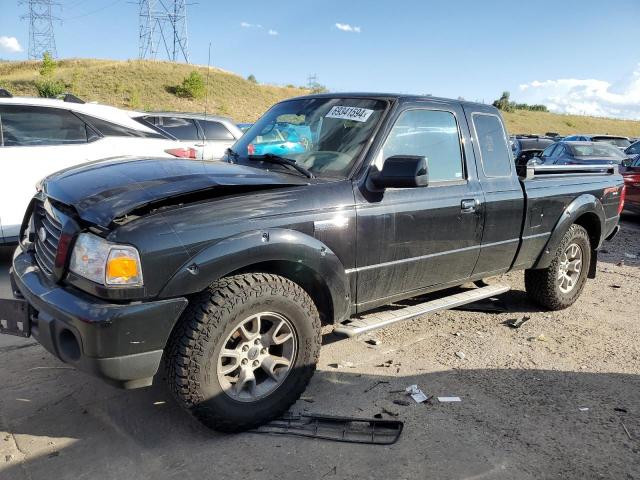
[(41, 38), (163, 27)]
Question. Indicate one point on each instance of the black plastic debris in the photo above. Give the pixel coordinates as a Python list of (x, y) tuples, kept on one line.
[(516, 322), (339, 429)]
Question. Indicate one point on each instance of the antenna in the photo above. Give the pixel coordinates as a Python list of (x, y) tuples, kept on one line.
[(206, 91), (163, 21), (41, 37)]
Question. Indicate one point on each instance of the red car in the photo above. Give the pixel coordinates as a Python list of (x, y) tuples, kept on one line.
[(631, 174)]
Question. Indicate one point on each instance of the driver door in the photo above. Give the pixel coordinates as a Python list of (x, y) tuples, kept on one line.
[(410, 239)]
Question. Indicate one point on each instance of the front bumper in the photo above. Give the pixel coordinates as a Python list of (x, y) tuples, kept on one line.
[(121, 343)]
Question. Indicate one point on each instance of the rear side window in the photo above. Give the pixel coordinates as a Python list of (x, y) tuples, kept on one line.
[(494, 151), (429, 133), (215, 130), (109, 129), (181, 128), (24, 125)]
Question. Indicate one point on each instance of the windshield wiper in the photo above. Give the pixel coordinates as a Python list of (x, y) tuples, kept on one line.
[(278, 160)]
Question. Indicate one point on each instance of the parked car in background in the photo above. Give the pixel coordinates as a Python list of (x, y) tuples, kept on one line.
[(631, 174), (40, 136), (616, 141), (210, 134), (281, 138), (581, 153), (525, 147)]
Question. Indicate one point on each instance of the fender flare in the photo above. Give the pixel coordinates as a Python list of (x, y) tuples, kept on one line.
[(585, 203), (243, 250)]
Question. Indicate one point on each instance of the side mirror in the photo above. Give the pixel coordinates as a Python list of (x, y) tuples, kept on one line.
[(402, 171)]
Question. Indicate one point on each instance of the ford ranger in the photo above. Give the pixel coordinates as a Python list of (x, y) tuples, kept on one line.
[(224, 272)]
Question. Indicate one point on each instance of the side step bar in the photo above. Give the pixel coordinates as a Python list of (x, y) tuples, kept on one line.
[(373, 321)]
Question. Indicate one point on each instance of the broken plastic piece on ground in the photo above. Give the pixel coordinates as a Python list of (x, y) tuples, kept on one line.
[(418, 395), (449, 399), (339, 429), (583, 409), (516, 322)]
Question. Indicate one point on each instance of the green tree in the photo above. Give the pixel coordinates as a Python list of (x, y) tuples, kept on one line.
[(192, 86), (251, 78), (48, 66), (503, 102)]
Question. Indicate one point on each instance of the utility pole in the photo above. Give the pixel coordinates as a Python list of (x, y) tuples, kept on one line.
[(41, 37), (163, 27)]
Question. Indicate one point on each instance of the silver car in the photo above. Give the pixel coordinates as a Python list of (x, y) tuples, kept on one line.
[(210, 134)]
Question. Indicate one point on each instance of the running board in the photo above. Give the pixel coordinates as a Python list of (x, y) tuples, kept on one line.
[(373, 321)]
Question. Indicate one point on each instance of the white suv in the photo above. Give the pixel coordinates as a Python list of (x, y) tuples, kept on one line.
[(40, 136)]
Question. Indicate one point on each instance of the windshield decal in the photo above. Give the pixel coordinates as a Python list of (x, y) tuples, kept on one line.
[(356, 114)]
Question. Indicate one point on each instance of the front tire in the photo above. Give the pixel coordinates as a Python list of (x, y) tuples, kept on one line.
[(560, 284), (244, 350)]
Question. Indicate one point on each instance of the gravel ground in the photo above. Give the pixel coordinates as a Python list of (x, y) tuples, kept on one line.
[(557, 398)]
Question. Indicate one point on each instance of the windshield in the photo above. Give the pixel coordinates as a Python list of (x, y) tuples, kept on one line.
[(616, 142), (323, 135), (597, 150)]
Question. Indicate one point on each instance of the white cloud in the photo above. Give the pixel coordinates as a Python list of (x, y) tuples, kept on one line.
[(273, 32), (10, 45), (587, 96), (250, 25), (345, 27)]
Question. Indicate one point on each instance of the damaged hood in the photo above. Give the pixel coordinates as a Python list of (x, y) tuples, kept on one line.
[(106, 190)]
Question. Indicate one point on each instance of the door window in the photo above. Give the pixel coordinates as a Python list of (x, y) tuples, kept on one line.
[(24, 125), (215, 130), (429, 133), (492, 141)]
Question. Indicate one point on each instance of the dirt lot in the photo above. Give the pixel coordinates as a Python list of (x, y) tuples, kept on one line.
[(522, 416)]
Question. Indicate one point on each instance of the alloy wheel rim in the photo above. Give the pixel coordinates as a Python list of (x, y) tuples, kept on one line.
[(257, 356), (569, 268)]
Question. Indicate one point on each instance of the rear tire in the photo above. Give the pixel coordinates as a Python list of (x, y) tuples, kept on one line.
[(227, 357), (560, 284)]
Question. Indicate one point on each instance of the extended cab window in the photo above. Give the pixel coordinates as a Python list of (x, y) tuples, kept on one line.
[(494, 152), (24, 125), (429, 133)]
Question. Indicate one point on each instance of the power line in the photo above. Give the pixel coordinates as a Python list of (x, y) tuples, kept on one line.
[(41, 35), (163, 26)]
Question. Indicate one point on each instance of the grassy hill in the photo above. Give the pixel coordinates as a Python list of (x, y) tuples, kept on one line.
[(148, 85)]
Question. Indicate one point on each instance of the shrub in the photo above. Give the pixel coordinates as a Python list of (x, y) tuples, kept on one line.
[(49, 88), (48, 65), (192, 86), (251, 78)]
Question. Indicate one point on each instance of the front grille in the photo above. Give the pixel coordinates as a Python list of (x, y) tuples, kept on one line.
[(46, 225)]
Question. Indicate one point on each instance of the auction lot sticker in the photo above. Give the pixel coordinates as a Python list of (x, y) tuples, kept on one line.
[(356, 114)]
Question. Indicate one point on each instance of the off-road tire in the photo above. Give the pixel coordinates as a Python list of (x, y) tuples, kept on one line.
[(194, 345), (542, 285)]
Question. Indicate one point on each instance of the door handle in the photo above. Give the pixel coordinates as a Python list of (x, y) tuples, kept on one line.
[(469, 205)]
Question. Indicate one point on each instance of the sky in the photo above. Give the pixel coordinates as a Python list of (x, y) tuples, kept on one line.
[(573, 56)]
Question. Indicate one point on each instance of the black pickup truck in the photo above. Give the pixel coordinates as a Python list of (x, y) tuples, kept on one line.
[(227, 270)]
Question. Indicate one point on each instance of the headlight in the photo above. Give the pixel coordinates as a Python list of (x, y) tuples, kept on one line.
[(106, 263)]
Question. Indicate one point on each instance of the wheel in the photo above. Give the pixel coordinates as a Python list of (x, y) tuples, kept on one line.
[(560, 284), (244, 350)]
